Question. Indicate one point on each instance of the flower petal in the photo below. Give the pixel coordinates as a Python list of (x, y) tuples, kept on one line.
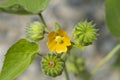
[(51, 35), (67, 41), (61, 48), (51, 45), (61, 32)]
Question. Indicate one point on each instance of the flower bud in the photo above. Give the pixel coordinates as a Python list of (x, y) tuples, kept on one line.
[(84, 33), (52, 65), (57, 26), (35, 31)]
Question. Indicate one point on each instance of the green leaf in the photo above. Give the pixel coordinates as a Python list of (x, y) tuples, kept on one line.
[(23, 6), (113, 16), (57, 26), (18, 58)]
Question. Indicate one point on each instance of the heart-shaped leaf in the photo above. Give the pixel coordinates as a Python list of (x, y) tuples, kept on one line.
[(23, 6), (18, 58), (113, 16)]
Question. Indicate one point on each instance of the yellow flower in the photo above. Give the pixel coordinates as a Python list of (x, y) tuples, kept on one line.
[(58, 41)]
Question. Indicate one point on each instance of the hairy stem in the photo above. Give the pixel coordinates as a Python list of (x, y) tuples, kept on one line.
[(104, 60)]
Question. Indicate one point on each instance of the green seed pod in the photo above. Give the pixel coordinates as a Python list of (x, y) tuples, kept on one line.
[(84, 33), (35, 31), (75, 64), (52, 65)]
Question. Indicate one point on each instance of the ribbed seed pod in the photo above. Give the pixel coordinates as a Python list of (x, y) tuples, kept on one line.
[(84, 33), (35, 31), (75, 64), (52, 65)]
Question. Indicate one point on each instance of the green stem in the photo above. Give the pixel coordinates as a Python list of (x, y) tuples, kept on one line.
[(43, 21), (66, 73), (104, 60), (40, 54), (63, 56)]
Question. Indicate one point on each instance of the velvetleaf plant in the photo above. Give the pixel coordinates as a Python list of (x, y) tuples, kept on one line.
[(21, 54)]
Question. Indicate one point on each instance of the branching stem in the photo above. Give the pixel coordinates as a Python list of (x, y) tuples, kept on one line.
[(43, 21), (40, 54)]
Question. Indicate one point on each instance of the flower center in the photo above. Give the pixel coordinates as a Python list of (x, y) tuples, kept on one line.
[(61, 42), (51, 63), (57, 37)]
